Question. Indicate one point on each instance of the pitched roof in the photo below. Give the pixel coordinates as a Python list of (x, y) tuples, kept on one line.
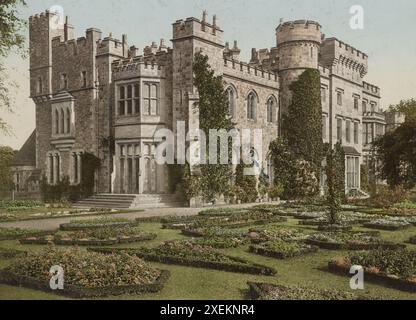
[(26, 156)]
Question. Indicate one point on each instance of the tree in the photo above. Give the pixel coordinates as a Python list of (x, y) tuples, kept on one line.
[(11, 38), (335, 175), (396, 153), (296, 175), (302, 125), (407, 107), (6, 156), (245, 184), (213, 114)]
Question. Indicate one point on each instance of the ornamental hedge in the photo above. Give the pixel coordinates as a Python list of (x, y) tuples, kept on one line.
[(189, 254), (280, 249), (95, 224), (17, 233), (393, 268), (350, 241), (86, 274), (268, 291)]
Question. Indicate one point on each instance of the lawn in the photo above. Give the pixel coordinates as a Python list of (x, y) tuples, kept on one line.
[(201, 284)]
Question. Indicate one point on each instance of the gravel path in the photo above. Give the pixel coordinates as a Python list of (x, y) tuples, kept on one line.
[(52, 224)]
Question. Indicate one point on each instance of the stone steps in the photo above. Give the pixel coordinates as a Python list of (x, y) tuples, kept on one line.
[(123, 201)]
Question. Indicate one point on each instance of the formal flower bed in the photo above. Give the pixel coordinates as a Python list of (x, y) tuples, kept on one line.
[(395, 268), (9, 253), (267, 291), (273, 232), (350, 241), (86, 274), (277, 210), (214, 232), (280, 249), (231, 221), (94, 237), (391, 224), (219, 242), (16, 233), (95, 223), (309, 215), (217, 212), (194, 255)]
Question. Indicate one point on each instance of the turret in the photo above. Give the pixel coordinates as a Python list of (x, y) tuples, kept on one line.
[(298, 46)]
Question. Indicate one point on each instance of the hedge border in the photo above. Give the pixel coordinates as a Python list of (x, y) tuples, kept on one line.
[(386, 227), (251, 268), (282, 255), (28, 235), (276, 219), (10, 253), (77, 292), (81, 226), (379, 278), (90, 242), (350, 246), (92, 214)]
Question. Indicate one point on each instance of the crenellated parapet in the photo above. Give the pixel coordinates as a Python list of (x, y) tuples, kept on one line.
[(135, 68), (371, 89), (335, 52), (199, 29), (245, 71)]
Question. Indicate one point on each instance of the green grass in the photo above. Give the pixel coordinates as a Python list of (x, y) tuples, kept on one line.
[(206, 284)]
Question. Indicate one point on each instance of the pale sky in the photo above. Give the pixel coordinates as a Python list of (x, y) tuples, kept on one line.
[(388, 36)]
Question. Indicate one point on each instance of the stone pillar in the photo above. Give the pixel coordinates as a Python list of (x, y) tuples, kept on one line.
[(141, 175), (126, 175), (134, 174), (79, 168)]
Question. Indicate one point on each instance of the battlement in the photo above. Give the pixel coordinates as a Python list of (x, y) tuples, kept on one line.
[(299, 30), (242, 69), (193, 27), (371, 89), (324, 71), (136, 67), (334, 51), (43, 15)]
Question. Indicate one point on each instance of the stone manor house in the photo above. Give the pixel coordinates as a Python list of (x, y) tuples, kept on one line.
[(94, 89)]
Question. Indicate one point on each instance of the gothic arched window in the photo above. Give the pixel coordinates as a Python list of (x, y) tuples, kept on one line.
[(271, 110), (231, 101), (251, 106)]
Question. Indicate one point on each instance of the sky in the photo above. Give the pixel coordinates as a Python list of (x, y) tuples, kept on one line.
[(388, 36)]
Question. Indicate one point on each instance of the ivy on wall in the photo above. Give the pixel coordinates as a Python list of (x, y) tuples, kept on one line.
[(302, 125), (335, 174), (213, 110)]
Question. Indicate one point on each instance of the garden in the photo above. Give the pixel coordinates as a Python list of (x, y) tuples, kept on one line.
[(262, 252), (22, 210)]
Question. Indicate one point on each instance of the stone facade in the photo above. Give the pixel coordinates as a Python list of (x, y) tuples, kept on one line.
[(99, 96)]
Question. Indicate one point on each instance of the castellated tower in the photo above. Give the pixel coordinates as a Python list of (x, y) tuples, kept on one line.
[(40, 40), (189, 37), (298, 45)]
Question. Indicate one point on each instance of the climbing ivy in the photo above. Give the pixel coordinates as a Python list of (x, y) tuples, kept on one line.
[(302, 125), (335, 174), (213, 109)]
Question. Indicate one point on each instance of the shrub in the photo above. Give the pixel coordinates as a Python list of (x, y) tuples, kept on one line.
[(400, 263), (86, 269)]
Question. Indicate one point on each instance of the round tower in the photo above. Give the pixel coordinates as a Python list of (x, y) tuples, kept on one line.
[(298, 46)]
